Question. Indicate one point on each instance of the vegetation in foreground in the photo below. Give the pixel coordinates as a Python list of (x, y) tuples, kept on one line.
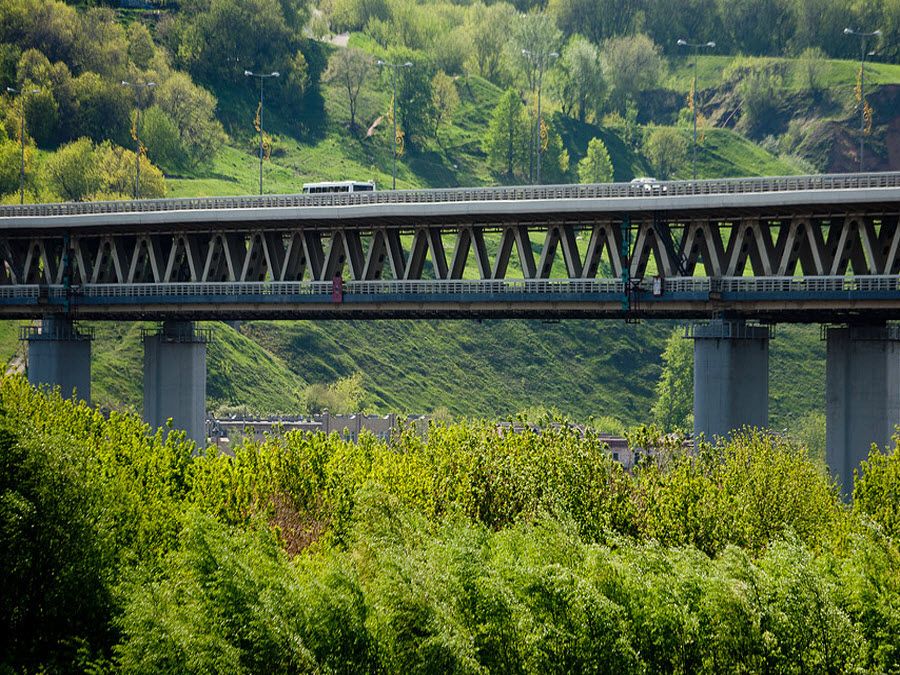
[(470, 550)]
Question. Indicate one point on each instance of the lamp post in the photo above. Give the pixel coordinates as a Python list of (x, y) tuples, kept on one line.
[(262, 77), (540, 61), (137, 87), (394, 67), (22, 137), (696, 46), (863, 37)]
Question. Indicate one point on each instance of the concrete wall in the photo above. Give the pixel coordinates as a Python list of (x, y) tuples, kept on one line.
[(175, 384), (58, 355), (862, 395), (63, 363), (731, 381)]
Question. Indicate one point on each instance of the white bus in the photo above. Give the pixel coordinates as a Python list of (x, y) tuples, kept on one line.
[(338, 186)]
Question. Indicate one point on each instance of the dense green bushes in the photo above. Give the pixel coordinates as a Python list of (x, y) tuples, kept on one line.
[(474, 550)]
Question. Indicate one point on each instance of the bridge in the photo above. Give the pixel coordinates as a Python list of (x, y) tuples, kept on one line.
[(742, 253)]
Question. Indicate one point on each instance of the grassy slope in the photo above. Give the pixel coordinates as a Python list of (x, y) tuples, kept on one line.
[(836, 74), (491, 368)]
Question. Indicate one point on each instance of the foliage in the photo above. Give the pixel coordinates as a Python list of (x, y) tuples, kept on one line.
[(490, 27), (192, 109), (160, 136), (474, 548), (579, 84), (630, 65), (349, 68), (667, 149), (445, 99), (342, 397), (506, 139), (876, 490), (673, 409), (82, 171), (554, 156), (595, 166)]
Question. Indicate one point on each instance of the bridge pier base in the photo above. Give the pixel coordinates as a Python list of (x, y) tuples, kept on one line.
[(60, 355), (862, 394), (731, 377), (175, 379)]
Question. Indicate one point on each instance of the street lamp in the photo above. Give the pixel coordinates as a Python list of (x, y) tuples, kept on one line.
[(696, 47), (262, 77), (862, 85), (22, 138), (137, 87), (540, 61), (394, 67)]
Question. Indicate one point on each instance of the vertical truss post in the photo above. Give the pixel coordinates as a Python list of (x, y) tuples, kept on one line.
[(626, 263)]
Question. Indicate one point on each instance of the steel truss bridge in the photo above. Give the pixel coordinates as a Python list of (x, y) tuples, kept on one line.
[(808, 248)]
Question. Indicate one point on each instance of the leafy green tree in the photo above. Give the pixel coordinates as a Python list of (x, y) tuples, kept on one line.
[(579, 84), (116, 166), (674, 406), (595, 166), (141, 48), (103, 109), (666, 148), (491, 28), (445, 99), (631, 65), (876, 489), (506, 139), (10, 166), (349, 68), (536, 40), (72, 172), (415, 102), (160, 136), (192, 109), (102, 46), (554, 156), (597, 20)]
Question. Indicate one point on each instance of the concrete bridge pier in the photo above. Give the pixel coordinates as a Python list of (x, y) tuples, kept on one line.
[(59, 355), (862, 395), (175, 378), (731, 377)]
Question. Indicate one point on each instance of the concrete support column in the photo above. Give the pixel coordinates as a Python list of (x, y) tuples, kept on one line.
[(862, 395), (59, 355), (731, 377), (175, 378)]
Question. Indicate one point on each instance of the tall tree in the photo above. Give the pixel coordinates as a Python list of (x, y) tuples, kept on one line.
[(445, 99), (490, 28), (579, 84), (506, 139), (631, 65), (596, 166), (674, 406), (666, 149), (349, 68)]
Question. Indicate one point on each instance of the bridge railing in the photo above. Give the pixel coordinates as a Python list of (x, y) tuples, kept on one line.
[(445, 195), (223, 291)]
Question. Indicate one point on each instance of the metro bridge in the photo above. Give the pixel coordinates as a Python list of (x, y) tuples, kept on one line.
[(822, 249)]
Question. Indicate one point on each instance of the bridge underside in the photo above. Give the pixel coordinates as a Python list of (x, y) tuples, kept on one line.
[(791, 300)]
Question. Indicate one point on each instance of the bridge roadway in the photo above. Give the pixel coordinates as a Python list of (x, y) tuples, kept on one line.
[(820, 249)]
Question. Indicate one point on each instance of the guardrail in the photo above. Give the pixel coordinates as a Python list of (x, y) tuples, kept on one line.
[(675, 285), (513, 193)]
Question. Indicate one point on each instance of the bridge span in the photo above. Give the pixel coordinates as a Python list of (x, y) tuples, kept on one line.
[(820, 249)]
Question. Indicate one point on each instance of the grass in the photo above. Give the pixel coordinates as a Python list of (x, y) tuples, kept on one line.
[(836, 74)]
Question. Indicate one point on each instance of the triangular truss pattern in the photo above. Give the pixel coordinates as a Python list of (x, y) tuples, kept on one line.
[(821, 246)]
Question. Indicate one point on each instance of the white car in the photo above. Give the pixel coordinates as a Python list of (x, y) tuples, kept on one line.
[(650, 185)]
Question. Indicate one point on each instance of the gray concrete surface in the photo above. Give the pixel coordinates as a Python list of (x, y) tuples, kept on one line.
[(60, 356), (862, 395)]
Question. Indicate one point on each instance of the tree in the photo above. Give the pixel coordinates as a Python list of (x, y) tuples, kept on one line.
[(554, 156), (596, 166), (444, 98), (674, 406), (579, 84), (490, 27), (103, 109), (349, 67), (597, 20), (160, 136), (507, 135), (631, 65), (666, 148), (71, 172), (192, 109), (116, 168), (536, 40), (140, 45), (415, 104)]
